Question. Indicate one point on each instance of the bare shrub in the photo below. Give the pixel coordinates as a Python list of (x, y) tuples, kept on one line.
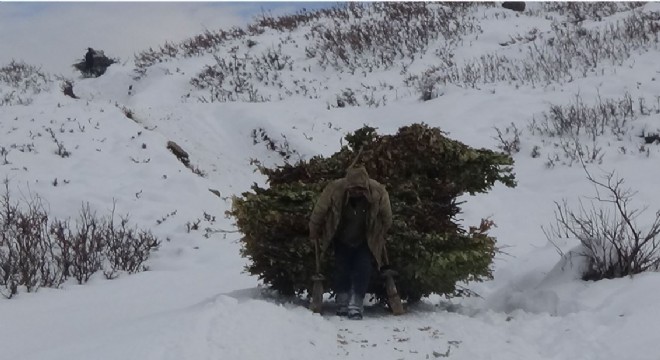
[(37, 251), (3, 154), (428, 88), (536, 151), (61, 149), (580, 11), (283, 148), (211, 41), (614, 243), (381, 34), (571, 51), (201, 44), (21, 81), (294, 21), (609, 116), (211, 77), (509, 139), (365, 95), (209, 228), (577, 127), (86, 243), (575, 150), (231, 79), (60, 232), (347, 98), (25, 251), (269, 66), (127, 248)]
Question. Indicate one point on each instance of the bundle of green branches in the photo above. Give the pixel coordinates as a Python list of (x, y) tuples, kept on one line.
[(424, 172)]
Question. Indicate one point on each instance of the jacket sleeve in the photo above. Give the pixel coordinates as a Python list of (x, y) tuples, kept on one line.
[(318, 217), (386, 211)]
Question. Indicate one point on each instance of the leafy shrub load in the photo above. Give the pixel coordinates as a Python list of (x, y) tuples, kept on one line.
[(424, 171)]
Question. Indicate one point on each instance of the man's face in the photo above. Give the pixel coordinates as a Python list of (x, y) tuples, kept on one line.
[(357, 191)]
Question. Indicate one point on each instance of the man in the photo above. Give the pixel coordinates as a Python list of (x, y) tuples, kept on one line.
[(352, 214), (89, 59)]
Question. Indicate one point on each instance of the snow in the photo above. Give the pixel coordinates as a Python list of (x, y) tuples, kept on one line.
[(195, 302)]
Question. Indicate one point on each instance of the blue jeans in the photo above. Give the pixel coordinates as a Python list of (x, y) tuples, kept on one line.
[(352, 272)]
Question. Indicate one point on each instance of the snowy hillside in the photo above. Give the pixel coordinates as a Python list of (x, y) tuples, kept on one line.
[(305, 81)]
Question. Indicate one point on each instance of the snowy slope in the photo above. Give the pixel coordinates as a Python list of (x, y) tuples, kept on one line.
[(195, 302)]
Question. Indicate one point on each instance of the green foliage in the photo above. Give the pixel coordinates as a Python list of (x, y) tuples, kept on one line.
[(424, 172)]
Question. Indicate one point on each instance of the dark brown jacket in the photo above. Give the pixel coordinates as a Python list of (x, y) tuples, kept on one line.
[(327, 211)]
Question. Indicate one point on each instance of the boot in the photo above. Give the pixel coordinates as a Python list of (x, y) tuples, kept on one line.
[(341, 300), (354, 314), (355, 306)]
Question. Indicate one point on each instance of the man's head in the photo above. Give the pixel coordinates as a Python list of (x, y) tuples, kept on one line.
[(357, 181)]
